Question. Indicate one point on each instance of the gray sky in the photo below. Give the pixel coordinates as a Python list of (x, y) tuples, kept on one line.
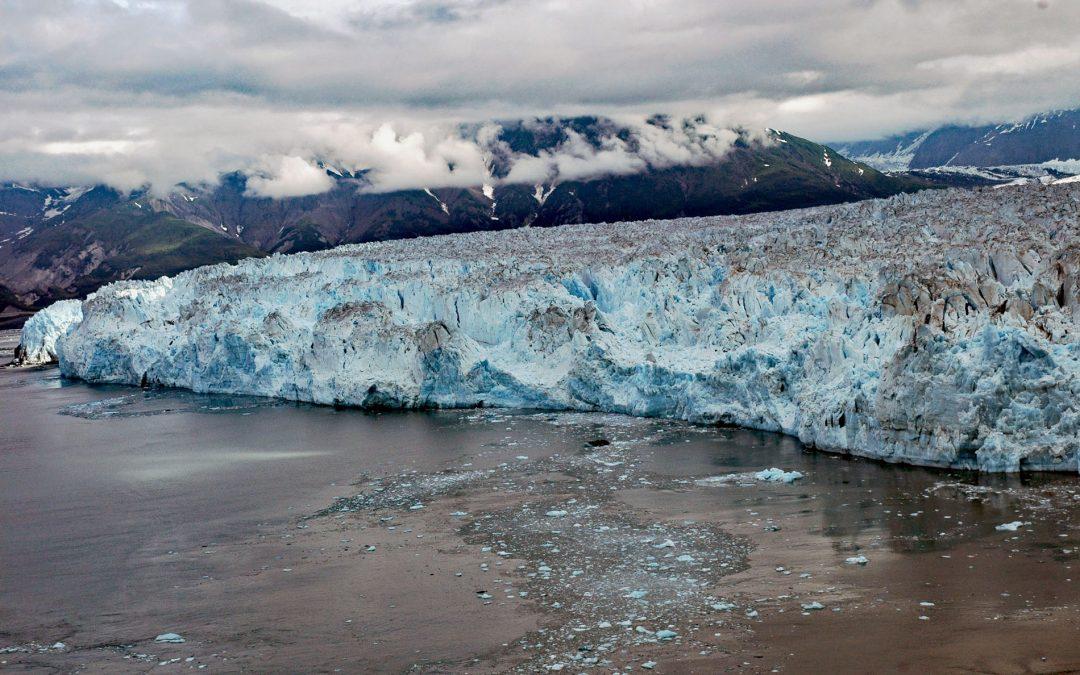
[(161, 91)]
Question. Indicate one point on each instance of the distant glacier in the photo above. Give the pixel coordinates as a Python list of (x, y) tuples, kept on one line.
[(936, 329)]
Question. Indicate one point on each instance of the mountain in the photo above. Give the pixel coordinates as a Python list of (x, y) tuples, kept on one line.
[(1045, 138), (66, 242), (70, 259), (789, 172)]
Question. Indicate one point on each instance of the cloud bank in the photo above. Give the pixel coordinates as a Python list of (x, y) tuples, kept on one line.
[(136, 92)]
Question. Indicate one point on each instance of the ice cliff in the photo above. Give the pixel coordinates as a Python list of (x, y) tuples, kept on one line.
[(37, 344), (938, 328)]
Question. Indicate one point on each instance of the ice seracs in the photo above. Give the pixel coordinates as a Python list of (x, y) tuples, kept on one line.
[(39, 335), (937, 328)]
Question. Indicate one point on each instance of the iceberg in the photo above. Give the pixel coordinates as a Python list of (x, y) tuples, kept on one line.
[(937, 328), (775, 475)]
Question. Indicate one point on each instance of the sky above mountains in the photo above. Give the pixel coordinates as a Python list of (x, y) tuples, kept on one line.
[(131, 92)]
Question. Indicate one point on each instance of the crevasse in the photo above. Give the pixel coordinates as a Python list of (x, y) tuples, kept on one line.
[(935, 329)]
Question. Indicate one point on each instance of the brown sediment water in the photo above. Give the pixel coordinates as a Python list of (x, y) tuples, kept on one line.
[(282, 538)]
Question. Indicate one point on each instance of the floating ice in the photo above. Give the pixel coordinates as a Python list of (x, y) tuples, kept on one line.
[(775, 475), (1010, 527), (556, 514), (857, 560), (170, 637)]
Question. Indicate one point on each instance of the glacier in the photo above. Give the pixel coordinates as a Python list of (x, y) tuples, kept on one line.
[(37, 342), (937, 328)]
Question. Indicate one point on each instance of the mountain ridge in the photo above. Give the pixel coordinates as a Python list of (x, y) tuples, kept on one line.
[(1048, 137)]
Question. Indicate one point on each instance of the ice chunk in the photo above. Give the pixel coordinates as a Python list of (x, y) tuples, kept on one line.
[(775, 475), (857, 560), (1010, 527), (170, 638)]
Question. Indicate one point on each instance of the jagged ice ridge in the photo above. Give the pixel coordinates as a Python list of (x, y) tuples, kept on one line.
[(937, 328)]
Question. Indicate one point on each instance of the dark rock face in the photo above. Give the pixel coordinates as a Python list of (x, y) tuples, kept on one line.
[(72, 258)]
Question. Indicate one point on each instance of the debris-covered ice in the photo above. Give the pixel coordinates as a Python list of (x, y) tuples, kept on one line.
[(937, 328)]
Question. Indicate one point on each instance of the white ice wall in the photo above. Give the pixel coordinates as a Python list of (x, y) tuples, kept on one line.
[(935, 329)]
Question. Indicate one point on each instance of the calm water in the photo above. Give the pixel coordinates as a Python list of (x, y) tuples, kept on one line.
[(100, 485)]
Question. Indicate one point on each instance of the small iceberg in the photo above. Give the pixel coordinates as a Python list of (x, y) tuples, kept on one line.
[(170, 638), (775, 475), (772, 475), (1010, 527)]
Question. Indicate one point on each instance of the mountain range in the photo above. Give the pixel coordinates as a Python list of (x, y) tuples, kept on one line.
[(1051, 139), (65, 242)]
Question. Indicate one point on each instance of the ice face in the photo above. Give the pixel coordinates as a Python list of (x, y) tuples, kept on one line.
[(937, 328), (37, 344)]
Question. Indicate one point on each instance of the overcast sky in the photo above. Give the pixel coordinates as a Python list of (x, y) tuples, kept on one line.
[(162, 91)]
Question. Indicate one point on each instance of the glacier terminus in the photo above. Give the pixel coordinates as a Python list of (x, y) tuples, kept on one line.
[(938, 328)]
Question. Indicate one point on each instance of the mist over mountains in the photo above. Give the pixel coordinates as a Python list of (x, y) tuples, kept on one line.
[(58, 242)]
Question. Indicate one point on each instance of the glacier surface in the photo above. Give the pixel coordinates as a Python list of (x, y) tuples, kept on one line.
[(937, 328)]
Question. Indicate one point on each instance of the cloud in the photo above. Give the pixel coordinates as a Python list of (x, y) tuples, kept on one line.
[(167, 91), (291, 177), (1023, 62)]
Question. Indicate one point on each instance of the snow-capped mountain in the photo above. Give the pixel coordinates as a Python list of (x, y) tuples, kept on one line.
[(65, 242), (1051, 139)]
